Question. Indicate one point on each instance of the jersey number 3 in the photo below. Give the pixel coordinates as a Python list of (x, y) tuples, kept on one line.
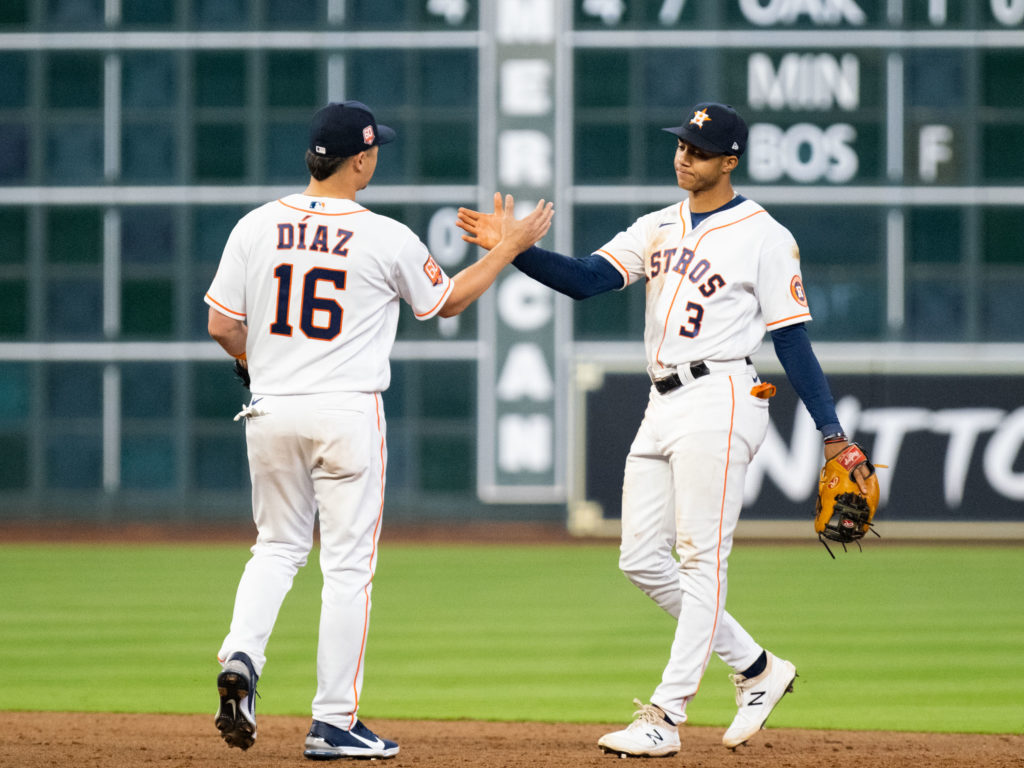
[(311, 303), (692, 326)]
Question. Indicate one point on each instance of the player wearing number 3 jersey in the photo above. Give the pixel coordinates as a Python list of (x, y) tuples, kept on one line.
[(719, 272), (307, 295)]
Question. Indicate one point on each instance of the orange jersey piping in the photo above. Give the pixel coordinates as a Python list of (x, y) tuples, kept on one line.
[(231, 312), (787, 319), (321, 213), (441, 301), (373, 558)]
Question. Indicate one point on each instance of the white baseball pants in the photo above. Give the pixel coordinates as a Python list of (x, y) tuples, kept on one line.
[(683, 489), (310, 453)]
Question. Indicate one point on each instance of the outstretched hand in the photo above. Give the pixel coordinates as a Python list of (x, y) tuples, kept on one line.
[(520, 234), (488, 229)]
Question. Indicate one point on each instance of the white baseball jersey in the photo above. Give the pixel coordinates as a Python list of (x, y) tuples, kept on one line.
[(318, 280), (713, 290)]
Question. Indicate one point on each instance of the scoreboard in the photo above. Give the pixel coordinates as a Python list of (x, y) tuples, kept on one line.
[(887, 135)]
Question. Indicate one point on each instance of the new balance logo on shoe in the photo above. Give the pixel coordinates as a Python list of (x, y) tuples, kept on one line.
[(754, 706)]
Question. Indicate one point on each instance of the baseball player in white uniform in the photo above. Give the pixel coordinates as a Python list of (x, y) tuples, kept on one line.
[(307, 295), (719, 272)]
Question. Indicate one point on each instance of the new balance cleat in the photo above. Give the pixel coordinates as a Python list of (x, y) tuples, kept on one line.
[(756, 697), (236, 716), (325, 742), (649, 735)]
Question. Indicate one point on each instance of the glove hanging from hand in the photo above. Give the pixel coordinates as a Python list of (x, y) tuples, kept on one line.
[(242, 372), (843, 513)]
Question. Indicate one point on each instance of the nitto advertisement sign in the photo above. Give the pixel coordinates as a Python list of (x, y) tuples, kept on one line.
[(953, 445)]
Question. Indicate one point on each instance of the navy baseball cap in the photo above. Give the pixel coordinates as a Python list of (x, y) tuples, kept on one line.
[(714, 128), (346, 128)]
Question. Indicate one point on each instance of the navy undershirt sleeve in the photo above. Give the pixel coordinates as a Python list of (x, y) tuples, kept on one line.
[(577, 278), (793, 348)]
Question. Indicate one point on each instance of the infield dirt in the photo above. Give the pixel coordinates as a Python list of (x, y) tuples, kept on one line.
[(85, 740)]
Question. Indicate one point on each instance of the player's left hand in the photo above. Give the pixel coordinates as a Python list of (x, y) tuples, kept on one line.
[(484, 228), (861, 474)]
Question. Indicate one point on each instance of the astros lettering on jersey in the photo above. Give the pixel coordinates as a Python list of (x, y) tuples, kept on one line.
[(713, 290)]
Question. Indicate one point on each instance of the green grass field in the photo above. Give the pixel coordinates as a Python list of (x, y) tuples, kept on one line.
[(894, 638)]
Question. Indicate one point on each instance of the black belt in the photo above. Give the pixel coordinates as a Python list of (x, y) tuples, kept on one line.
[(698, 369)]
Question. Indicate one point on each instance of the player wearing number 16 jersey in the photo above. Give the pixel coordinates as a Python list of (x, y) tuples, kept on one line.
[(307, 294), (719, 272)]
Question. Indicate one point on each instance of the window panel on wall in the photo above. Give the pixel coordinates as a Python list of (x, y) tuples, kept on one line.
[(936, 310), (73, 288), (448, 78), (74, 309), (74, 460), (16, 387), (14, 460), (221, 14), (293, 13), (73, 14), (286, 148), (219, 461), (149, 235), (75, 235), (14, 153), (1003, 230), (1001, 75), (1002, 150), (14, 93), (74, 80), (601, 79), (221, 152), (935, 78), (447, 151), (147, 308), (148, 13), (149, 152), (935, 235), (148, 391), (148, 461), (601, 153), (14, 13), (1000, 308), (378, 78), (73, 390), (149, 80), (13, 309), (293, 79), (220, 79), (13, 235), (74, 152)]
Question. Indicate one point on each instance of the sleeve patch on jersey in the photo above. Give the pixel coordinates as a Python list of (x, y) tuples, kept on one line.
[(796, 287), (433, 271)]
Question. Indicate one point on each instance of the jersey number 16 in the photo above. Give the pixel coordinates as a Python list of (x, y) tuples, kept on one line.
[(311, 303)]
